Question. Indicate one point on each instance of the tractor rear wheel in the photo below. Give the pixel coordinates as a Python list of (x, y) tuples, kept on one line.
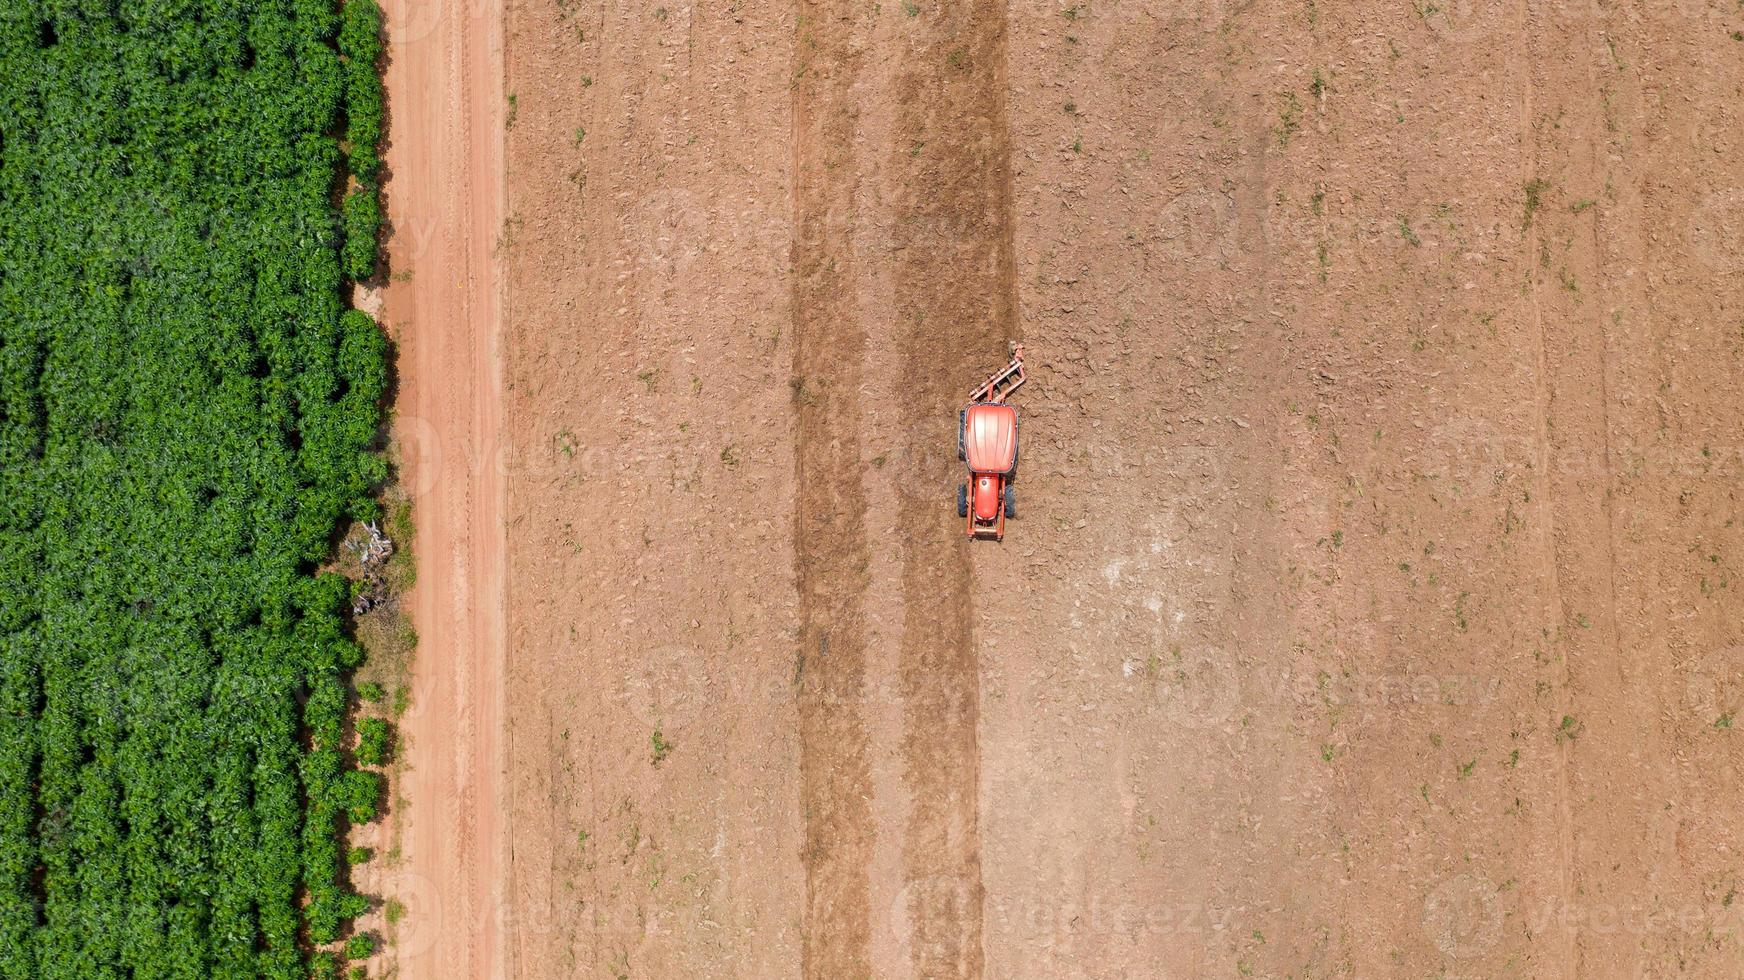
[(962, 424), (962, 500), (1010, 502)]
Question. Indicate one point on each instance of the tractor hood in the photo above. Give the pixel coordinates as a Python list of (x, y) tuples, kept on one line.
[(990, 438)]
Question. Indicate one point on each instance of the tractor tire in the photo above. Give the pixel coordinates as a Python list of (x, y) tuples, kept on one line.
[(962, 500), (1010, 503), (962, 423)]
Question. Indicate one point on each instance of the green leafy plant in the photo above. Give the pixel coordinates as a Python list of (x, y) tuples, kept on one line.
[(360, 947), (361, 216), (202, 410), (374, 740)]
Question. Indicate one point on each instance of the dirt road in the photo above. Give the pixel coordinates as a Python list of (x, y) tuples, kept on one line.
[(443, 306), (1368, 613)]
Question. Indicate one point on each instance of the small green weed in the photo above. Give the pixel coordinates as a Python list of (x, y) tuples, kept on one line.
[(1535, 189), (1289, 119), (1569, 729)]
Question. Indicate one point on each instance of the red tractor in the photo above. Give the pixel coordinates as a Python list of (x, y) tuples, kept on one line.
[(987, 441)]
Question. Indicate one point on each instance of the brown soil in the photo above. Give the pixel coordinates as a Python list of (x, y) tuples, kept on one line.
[(1369, 613), (654, 740)]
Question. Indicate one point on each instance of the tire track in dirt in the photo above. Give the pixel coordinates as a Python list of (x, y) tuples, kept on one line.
[(830, 550), (915, 233), (955, 299), (1547, 509), (1621, 626), (1575, 421)]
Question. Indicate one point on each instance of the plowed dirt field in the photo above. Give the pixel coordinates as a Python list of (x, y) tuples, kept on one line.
[(1373, 609)]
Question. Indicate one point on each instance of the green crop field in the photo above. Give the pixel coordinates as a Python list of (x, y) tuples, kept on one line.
[(187, 412)]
